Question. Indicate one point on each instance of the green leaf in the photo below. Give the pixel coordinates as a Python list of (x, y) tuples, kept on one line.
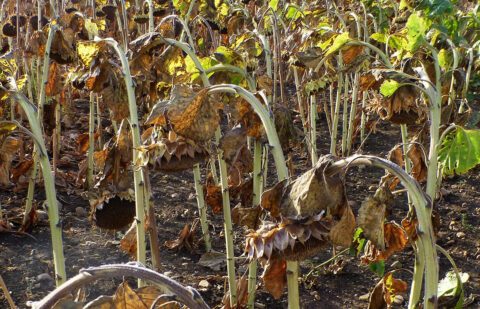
[(228, 56), (389, 87), (444, 58), (437, 8), (273, 4), (378, 268), (292, 12), (338, 43), (379, 37), (460, 151), (451, 286), (416, 26)]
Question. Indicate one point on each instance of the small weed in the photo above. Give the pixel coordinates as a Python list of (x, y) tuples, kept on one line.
[(467, 225)]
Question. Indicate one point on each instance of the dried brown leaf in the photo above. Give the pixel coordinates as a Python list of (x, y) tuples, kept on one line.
[(275, 277)]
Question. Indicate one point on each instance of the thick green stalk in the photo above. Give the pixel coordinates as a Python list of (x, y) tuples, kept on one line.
[(31, 186), (300, 109), (52, 207), (363, 119), (138, 174), (91, 141), (292, 285), (345, 116), (272, 136), (418, 272), (227, 223), (201, 207), (313, 129), (435, 96), (406, 159), (257, 192), (46, 66), (353, 111), (423, 206), (336, 115)]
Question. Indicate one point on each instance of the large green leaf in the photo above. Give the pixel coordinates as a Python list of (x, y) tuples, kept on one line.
[(417, 26), (460, 151)]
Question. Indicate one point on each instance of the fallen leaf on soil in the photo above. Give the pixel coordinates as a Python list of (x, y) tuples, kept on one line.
[(275, 277), (186, 238), (212, 260)]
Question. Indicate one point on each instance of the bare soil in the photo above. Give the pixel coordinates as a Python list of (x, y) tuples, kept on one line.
[(26, 259)]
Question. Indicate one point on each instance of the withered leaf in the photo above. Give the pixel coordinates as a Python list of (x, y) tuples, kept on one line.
[(385, 291), (186, 238), (242, 294), (275, 277), (249, 217), (129, 241), (243, 112), (272, 198), (342, 233), (395, 239), (54, 84), (419, 167), (213, 197), (370, 218), (21, 170), (349, 53), (308, 195), (192, 113), (9, 147), (125, 297), (231, 143)]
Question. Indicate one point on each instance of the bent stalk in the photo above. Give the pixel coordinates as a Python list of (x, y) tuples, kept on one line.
[(52, 207)]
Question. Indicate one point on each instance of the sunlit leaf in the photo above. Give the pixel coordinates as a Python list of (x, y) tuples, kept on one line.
[(417, 27), (389, 87), (450, 285), (379, 37), (460, 151), (87, 51), (338, 43)]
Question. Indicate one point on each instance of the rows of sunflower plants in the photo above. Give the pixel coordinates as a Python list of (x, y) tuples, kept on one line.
[(204, 86)]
